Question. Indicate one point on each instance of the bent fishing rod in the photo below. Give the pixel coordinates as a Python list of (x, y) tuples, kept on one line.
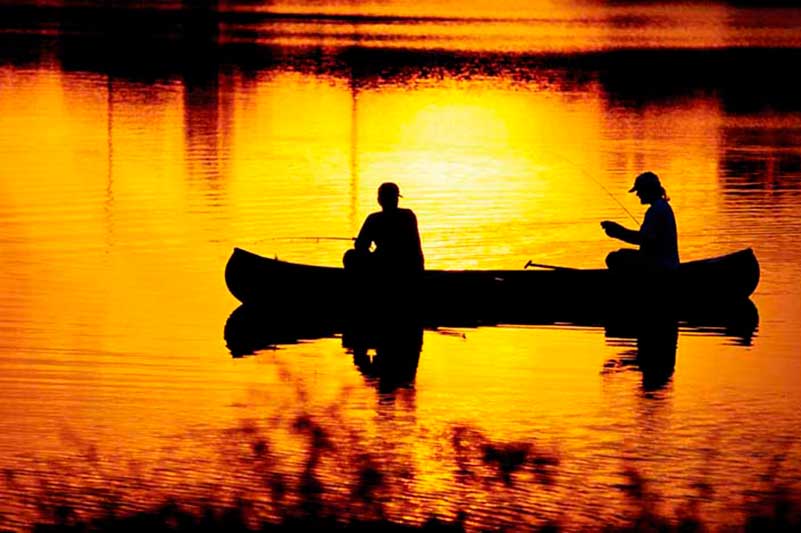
[(306, 238), (530, 264), (597, 182)]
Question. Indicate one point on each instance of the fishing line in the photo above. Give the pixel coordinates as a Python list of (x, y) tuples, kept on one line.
[(597, 182), (318, 238)]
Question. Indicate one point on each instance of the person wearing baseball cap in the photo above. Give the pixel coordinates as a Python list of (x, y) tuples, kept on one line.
[(657, 237), (394, 232)]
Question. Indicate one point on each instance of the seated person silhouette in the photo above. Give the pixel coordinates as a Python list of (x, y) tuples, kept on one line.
[(393, 231), (657, 236)]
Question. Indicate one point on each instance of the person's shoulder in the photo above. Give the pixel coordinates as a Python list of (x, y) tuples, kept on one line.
[(406, 212), (661, 206), (372, 219), (664, 207)]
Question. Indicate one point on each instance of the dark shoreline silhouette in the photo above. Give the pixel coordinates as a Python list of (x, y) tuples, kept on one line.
[(154, 44), (175, 14), (742, 81)]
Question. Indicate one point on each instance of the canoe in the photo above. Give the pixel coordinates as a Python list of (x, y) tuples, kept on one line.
[(513, 296)]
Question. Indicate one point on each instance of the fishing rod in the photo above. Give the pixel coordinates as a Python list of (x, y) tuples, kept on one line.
[(316, 238), (601, 185)]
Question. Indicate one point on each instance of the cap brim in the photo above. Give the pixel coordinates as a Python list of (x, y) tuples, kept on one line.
[(633, 189)]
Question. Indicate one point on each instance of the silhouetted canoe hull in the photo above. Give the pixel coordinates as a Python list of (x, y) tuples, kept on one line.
[(511, 296)]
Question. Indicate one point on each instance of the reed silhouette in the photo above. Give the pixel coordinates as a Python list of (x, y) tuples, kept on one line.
[(487, 473)]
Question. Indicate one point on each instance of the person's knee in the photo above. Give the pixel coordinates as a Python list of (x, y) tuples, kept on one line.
[(623, 258), (350, 259), (613, 260), (357, 260)]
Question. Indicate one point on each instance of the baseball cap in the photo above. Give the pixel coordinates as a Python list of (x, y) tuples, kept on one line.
[(389, 189), (646, 181)]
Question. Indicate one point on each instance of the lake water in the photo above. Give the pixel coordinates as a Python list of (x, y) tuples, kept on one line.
[(140, 146)]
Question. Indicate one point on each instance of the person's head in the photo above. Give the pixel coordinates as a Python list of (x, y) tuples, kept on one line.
[(648, 188), (388, 194)]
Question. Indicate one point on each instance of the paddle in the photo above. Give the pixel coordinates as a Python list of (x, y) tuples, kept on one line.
[(550, 267)]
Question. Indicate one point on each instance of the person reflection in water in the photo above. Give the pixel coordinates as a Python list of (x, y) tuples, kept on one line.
[(397, 354), (655, 353), (394, 232), (657, 236)]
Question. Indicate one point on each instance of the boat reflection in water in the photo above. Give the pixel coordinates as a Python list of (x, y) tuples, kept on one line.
[(387, 351), (657, 337)]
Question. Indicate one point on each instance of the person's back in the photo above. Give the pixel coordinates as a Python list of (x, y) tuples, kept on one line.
[(394, 232), (397, 241), (659, 244)]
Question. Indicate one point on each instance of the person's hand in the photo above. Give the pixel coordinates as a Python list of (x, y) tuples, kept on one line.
[(613, 229)]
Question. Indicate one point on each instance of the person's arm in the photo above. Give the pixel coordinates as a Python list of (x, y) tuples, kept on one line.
[(616, 231), (649, 231)]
